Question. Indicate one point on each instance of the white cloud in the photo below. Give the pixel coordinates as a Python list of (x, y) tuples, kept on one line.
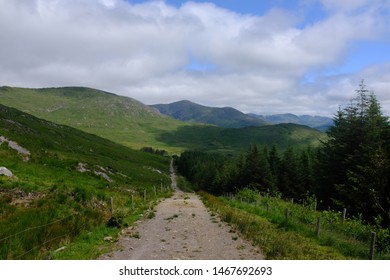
[(143, 51)]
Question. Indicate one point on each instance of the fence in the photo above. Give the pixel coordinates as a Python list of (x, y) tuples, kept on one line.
[(325, 226), (23, 243)]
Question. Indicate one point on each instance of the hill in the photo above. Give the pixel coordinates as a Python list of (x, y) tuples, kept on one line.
[(317, 122), (237, 140), (58, 183), (120, 119), (133, 124), (191, 112)]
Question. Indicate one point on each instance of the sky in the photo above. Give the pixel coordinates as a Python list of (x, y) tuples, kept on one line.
[(258, 56)]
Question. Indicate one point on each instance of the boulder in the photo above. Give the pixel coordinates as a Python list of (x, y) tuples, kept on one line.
[(6, 172)]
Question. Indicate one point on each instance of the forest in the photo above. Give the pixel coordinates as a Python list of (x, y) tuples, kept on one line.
[(349, 170)]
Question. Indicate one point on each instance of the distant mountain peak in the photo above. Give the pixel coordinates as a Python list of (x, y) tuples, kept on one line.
[(189, 111), (317, 122)]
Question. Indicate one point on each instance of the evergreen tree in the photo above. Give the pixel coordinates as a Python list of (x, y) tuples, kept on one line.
[(306, 172), (274, 166), (255, 172), (288, 175), (354, 163)]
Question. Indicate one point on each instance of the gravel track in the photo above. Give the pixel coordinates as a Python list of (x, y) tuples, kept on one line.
[(182, 229)]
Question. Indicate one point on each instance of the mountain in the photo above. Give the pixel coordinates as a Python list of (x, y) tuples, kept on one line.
[(191, 112), (118, 118), (133, 124), (57, 183), (317, 122)]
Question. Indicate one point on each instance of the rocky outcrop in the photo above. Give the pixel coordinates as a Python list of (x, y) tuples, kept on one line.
[(83, 167), (15, 146), (6, 172)]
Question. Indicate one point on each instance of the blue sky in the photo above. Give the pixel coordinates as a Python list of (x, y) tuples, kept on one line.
[(302, 56)]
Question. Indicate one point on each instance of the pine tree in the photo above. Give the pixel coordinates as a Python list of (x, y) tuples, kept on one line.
[(288, 175), (354, 163), (274, 165), (255, 171)]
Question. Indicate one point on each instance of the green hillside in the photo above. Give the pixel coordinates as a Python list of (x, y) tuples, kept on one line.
[(191, 112), (131, 123), (61, 185), (237, 140), (114, 117)]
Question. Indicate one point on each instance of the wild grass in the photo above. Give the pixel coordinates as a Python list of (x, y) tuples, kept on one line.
[(50, 204), (184, 185), (263, 220), (275, 243)]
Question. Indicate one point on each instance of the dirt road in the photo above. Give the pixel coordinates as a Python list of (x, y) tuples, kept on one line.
[(182, 229)]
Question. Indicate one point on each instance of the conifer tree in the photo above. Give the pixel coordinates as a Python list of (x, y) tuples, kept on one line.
[(354, 163)]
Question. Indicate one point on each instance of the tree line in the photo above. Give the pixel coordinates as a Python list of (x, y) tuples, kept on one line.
[(351, 169)]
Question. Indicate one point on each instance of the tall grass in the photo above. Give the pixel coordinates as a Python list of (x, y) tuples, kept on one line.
[(65, 218), (275, 242), (263, 220)]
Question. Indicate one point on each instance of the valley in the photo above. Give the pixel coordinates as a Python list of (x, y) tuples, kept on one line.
[(82, 170)]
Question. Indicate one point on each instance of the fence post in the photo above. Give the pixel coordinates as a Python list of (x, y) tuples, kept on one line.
[(112, 205), (315, 205), (145, 195), (132, 201), (372, 245), (344, 214), (318, 227)]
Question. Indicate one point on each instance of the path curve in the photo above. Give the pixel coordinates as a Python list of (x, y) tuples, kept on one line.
[(182, 229)]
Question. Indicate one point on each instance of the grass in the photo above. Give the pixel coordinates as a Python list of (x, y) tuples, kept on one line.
[(296, 239), (57, 206)]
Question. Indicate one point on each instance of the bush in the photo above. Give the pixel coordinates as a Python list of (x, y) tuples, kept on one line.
[(247, 195)]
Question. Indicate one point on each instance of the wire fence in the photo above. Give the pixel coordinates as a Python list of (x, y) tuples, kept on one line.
[(330, 225), (35, 227)]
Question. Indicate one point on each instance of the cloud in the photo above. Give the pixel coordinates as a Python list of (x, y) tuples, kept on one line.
[(149, 51)]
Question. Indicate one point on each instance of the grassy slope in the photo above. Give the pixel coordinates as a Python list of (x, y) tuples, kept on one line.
[(70, 203), (263, 221), (117, 118), (133, 124), (231, 140)]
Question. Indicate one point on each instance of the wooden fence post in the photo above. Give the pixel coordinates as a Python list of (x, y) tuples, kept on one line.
[(132, 201), (145, 195), (112, 205), (372, 245), (318, 227), (344, 214)]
